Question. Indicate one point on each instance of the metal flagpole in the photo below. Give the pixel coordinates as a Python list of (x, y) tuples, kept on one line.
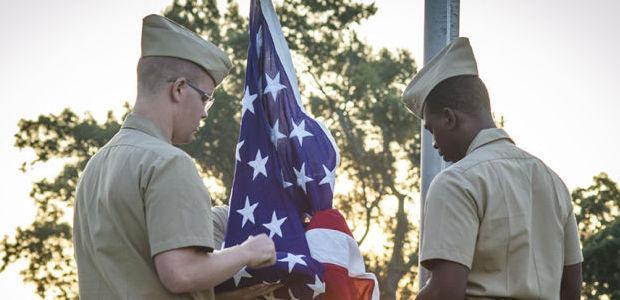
[(441, 25)]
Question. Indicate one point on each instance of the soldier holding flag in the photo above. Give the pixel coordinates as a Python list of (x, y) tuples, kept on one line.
[(143, 225)]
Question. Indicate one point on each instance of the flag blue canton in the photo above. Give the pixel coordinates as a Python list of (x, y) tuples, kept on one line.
[(285, 165)]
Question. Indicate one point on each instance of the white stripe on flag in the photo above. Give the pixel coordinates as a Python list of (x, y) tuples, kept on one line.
[(338, 248), (335, 247)]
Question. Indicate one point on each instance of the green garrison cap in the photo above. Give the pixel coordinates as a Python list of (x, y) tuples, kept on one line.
[(163, 37), (455, 59)]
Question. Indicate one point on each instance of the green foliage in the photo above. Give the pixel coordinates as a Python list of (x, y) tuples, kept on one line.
[(46, 244), (601, 267), (598, 208), (598, 205)]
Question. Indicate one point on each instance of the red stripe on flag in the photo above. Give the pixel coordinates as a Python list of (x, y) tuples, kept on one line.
[(329, 219), (342, 287)]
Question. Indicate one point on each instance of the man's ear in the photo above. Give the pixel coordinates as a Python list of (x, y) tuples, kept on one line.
[(449, 118), (177, 89)]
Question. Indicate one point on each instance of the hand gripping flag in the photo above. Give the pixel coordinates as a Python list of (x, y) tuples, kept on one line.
[(284, 173)]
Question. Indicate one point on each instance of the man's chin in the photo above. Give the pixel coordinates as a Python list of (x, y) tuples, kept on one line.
[(185, 141), (451, 160)]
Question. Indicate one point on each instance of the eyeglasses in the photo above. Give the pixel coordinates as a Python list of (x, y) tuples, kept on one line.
[(207, 99)]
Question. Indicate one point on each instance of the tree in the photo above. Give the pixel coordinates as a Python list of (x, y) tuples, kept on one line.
[(46, 243), (354, 89), (598, 208)]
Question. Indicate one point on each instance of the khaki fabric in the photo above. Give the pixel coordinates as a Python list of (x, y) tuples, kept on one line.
[(506, 216), (457, 58), (137, 197), (163, 37), (220, 219)]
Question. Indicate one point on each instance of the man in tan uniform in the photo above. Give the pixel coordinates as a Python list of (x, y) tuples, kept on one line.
[(143, 226), (498, 222)]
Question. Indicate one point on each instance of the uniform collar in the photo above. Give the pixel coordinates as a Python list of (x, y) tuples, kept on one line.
[(487, 136), (145, 125)]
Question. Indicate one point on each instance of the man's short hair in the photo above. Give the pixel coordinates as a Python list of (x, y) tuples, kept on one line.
[(466, 93), (154, 72)]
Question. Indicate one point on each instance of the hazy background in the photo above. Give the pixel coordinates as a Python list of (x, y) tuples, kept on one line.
[(551, 68)]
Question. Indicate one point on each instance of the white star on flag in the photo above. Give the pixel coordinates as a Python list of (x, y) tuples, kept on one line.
[(274, 225), (273, 85), (258, 164), (237, 156), (285, 183), (292, 260), (300, 132), (247, 211), (276, 134), (247, 103), (242, 273), (318, 287), (330, 177), (302, 179)]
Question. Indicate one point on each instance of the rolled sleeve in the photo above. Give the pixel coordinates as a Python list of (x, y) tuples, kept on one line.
[(572, 247), (451, 221), (177, 207), (220, 220)]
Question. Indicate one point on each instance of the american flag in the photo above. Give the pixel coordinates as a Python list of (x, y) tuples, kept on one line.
[(285, 166)]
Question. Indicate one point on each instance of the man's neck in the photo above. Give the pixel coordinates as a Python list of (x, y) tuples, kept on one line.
[(154, 111), (474, 129)]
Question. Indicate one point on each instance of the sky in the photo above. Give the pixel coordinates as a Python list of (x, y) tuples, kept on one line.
[(551, 68)]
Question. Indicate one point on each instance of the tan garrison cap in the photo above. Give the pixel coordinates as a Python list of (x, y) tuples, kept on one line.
[(163, 37), (455, 59)]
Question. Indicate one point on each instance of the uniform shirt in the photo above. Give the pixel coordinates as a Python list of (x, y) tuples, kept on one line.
[(137, 197), (504, 215)]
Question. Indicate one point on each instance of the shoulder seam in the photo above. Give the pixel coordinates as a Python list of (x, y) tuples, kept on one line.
[(158, 154)]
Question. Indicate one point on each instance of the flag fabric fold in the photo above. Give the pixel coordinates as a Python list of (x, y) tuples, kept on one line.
[(331, 243), (284, 170)]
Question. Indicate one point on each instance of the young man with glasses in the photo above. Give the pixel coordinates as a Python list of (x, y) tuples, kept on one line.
[(143, 226)]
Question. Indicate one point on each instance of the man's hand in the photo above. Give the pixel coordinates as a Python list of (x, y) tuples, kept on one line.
[(185, 270), (247, 293), (260, 251)]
